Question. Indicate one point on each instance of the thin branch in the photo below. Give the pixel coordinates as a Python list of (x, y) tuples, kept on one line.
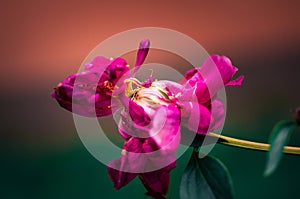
[(225, 140)]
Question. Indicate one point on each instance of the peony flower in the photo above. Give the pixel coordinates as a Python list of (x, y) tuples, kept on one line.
[(152, 112)]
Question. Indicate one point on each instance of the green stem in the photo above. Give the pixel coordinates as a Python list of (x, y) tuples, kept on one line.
[(225, 140)]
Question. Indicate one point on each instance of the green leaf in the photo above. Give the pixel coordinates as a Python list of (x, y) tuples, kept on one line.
[(205, 178), (278, 139)]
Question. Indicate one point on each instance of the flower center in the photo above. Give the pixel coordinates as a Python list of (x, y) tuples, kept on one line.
[(152, 96)]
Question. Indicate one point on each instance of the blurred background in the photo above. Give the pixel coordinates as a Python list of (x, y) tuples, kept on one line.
[(42, 42)]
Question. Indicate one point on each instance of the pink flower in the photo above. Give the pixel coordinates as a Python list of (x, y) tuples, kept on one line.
[(90, 92), (152, 112), (203, 111), (150, 125)]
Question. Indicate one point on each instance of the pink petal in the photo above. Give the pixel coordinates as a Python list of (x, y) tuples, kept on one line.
[(109, 69), (215, 73), (132, 159), (218, 114), (202, 119), (165, 129), (172, 87), (118, 177), (161, 136), (138, 115), (141, 54), (125, 126), (98, 64), (237, 82), (157, 182), (188, 75), (116, 69), (226, 69), (81, 94), (90, 93), (199, 119)]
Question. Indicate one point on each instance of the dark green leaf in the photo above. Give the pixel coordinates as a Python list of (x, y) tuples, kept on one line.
[(205, 178), (278, 139)]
